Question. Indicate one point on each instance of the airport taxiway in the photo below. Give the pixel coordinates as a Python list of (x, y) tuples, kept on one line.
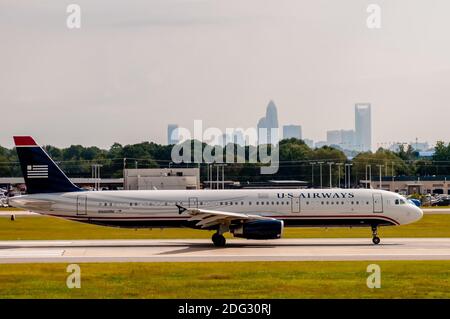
[(199, 250)]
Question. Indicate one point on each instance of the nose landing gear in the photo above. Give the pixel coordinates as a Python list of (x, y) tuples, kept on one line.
[(375, 238)]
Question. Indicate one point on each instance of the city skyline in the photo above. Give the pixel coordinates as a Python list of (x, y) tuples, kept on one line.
[(130, 70)]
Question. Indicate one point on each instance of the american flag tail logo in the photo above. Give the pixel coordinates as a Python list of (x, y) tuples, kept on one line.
[(37, 171)]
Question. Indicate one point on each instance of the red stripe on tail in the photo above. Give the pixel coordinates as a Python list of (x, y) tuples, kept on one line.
[(24, 141)]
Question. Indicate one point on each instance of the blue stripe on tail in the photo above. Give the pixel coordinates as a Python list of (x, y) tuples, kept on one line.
[(41, 174)]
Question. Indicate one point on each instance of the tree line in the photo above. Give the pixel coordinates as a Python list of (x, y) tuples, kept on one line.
[(297, 161)]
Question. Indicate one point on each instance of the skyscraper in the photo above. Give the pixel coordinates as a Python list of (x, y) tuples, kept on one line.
[(172, 134), (363, 127), (292, 131), (342, 138), (266, 124)]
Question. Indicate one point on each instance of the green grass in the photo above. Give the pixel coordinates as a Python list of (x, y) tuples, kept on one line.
[(399, 279), (10, 209), (50, 228)]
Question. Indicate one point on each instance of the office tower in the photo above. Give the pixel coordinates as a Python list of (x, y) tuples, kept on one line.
[(172, 134), (292, 131), (334, 137), (348, 139), (266, 124), (363, 127), (342, 138)]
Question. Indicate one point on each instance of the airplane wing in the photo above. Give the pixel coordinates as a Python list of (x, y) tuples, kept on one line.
[(208, 218)]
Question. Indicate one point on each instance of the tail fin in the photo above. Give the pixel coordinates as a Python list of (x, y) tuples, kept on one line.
[(41, 174)]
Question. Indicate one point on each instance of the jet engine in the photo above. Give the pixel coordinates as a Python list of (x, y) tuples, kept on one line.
[(259, 229)]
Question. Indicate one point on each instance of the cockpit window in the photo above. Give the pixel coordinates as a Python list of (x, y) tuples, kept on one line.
[(397, 202)]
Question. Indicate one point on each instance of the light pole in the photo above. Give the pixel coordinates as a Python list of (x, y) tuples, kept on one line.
[(223, 175), (96, 175), (320, 166), (339, 173), (380, 167), (348, 178), (331, 182), (312, 173), (369, 168)]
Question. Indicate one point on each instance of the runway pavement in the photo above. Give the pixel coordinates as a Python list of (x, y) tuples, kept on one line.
[(73, 251)]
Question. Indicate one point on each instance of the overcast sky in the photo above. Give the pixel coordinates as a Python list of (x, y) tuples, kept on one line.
[(136, 66)]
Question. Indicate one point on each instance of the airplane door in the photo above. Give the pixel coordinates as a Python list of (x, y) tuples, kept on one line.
[(377, 203), (295, 205), (193, 202), (82, 205)]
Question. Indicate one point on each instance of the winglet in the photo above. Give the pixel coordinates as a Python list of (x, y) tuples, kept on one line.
[(181, 209)]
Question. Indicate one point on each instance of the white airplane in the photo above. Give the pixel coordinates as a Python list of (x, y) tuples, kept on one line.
[(251, 214)]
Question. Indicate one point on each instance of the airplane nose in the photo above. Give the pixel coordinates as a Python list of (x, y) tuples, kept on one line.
[(418, 213)]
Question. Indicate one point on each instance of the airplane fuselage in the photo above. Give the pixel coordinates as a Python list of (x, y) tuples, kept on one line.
[(157, 208)]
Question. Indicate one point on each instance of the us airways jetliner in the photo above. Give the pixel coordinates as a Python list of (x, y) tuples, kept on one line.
[(252, 214)]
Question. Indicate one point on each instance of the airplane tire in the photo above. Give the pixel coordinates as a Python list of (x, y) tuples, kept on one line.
[(218, 240), (376, 240)]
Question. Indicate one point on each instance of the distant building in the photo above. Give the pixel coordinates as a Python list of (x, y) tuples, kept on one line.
[(172, 134), (309, 142), (267, 124), (417, 146), (345, 139), (239, 138), (161, 178), (363, 127), (334, 137), (348, 139), (321, 144), (292, 131), (420, 146)]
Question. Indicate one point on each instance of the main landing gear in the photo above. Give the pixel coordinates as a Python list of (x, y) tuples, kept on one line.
[(375, 238), (218, 240)]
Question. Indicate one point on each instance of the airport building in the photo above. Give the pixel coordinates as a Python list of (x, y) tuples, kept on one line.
[(412, 184), (87, 183), (161, 178)]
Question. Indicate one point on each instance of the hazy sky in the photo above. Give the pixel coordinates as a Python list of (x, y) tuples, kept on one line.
[(135, 66)]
